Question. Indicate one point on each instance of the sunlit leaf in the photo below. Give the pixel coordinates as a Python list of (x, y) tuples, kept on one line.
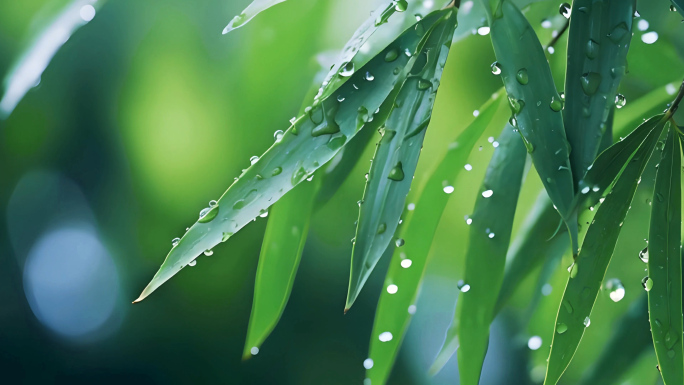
[(396, 158), (312, 141), (407, 267), (664, 280), (490, 234), (27, 70)]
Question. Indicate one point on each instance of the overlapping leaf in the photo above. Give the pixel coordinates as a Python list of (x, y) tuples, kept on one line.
[(490, 234), (312, 140), (589, 269), (407, 267), (664, 280), (536, 105), (396, 157), (600, 33)]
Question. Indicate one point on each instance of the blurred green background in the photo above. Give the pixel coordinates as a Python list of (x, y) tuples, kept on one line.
[(148, 112)]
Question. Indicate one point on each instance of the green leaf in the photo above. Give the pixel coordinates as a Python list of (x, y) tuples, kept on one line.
[(589, 269), (537, 241), (396, 158), (679, 6), (600, 35), (25, 73), (490, 234), (253, 9), (281, 251), (312, 141), (407, 267), (628, 341), (664, 280), (536, 106)]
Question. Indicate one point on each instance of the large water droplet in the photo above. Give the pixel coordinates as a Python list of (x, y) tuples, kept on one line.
[(175, 241), (516, 104), (253, 159), (347, 69), (522, 76), (496, 68), (192, 263), (424, 84), (647, 283), (555, 104), (278, 135), (463, 287), (208, 214), (401, 5), (382, 228), (208, 252), (565, 10), (399, 242), (586, 322), (618, 33), (397, 172), (392, 55), (590, 82), (561, 328), (620, 101), (643, 255), (369, 76), (592, 49)]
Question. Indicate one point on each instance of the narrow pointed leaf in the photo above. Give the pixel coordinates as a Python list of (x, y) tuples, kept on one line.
[(664, 281), (589, 269), (629, 340), (27, 70), (600, 33), (536, 105), (396, 157), (407, 267), (281, 252), (253, 9), (312, 141), (490, 234), (537, 241)]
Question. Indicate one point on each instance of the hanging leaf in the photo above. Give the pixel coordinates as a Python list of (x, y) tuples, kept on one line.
[(664, 280), (589, 269), (407, 267), (490, 234), (536, 105), (312, 141), (600, 33)]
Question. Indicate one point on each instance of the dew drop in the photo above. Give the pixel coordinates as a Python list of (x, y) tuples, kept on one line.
[(647, 283), (643, 255), (347, 69), (463, 287), (278, 135), (590, 82), (277, 171), (253, 159), (586, 322), (561, 328), (175, 241), (399, 242), (397, 172), (565, 10), (496, 69), (620, 101), (208, 252), (392, 55), (208, 214), (522, 76), (192, 263), (555, 104), (369, 77)]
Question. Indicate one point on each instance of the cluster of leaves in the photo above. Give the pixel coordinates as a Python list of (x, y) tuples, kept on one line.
[(390, 87)]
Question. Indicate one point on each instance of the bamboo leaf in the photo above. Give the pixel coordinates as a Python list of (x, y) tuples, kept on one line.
[(629, 340), (536, 242), (396, 158), (589, 269), (281, 252), (600, 33), (536, 105), (679, 6), (407, 267), (490, 234), (312, 141), (27, 70), (664, 280), (253, 9)]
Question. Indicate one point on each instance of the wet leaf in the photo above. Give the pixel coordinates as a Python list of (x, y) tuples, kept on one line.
[(253, 9)]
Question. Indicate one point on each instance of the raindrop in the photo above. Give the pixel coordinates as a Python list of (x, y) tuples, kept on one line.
[(278, 135), (392, 288), (347, 69), (496, 69), (277, 171), (590, 82), (572, 269), (225, 236), (175, 241), (399, 242), (522, 76), (406, 263), (620, 101), (561, 328), (647, 283), (208, 252), (208, 213), (253, 159), (643, 255), (487, 193), (424, 84), (392, 55), (555, 104), (340, 98), (586, 322), (401, 5), (551, 50), (382, 228), (192, 263), (369, 76), (592, 49), (448, 189), (673, 8), (616, 289), (565, 10), (468, 220), (397, 173)]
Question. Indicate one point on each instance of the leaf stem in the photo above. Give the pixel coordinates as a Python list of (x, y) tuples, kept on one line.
[(558, 35), (675, 103)]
